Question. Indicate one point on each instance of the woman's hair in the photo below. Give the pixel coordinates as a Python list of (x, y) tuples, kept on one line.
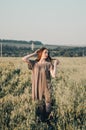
[(39, 54)]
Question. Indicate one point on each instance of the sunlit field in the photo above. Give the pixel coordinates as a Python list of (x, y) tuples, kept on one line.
[(17, 111)]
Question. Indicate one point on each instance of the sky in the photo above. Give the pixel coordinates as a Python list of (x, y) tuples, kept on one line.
[(60, 22)]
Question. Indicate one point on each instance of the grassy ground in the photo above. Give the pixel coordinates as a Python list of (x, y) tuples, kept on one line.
[(16, 108)]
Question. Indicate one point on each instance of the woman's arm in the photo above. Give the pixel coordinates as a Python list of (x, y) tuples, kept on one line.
[(54, 69), (26, 58)]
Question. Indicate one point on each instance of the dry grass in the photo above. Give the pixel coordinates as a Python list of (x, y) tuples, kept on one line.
[(17, 110)]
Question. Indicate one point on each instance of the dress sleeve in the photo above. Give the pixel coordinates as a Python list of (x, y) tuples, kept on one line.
[(31, 64)]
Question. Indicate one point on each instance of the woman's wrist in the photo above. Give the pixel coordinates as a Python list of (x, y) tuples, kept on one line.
[(55, 62)]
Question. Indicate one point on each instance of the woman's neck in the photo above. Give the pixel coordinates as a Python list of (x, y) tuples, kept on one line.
[(42, 60)]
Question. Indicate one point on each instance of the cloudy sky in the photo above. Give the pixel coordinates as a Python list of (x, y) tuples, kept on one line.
[(49, 21)]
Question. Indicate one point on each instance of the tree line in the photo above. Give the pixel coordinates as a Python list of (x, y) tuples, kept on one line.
[(15, 51)]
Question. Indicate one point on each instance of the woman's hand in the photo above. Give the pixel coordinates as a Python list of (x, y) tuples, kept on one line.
[(56, 62), (36, 51)]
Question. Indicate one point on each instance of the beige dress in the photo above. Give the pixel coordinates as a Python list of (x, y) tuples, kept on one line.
[(41, 80)]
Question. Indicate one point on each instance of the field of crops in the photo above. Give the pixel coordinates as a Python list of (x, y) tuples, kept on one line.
[(17, 111)]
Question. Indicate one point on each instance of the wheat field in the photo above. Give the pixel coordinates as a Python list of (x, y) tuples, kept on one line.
[(17, 110)]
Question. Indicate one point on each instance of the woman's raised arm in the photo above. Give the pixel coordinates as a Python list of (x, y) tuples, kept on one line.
[(26, 58)]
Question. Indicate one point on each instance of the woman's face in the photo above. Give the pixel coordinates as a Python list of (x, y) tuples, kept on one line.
[(45, 54)]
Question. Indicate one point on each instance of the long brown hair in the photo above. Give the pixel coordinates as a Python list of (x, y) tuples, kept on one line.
[(39, 54)]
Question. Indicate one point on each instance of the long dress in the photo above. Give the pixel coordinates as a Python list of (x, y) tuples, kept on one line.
[(41, 80)]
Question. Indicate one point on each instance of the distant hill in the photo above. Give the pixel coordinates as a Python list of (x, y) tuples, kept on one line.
[(20, 42)]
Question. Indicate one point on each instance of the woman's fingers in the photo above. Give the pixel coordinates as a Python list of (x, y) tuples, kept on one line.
[(37, 51), (57, 62)]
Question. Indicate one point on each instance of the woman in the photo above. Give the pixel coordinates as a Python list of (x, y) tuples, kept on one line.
[(42, 70)]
